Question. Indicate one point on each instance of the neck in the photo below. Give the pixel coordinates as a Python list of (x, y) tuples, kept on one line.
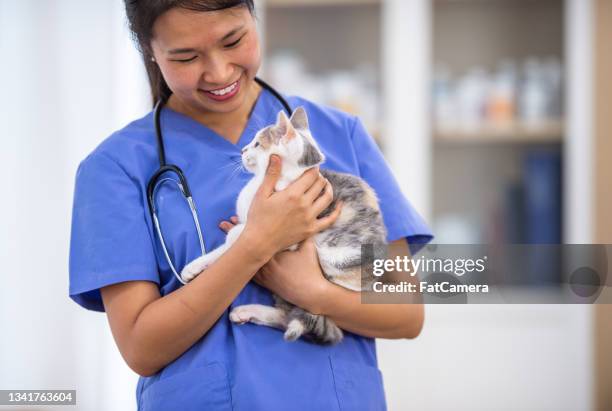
[(220, 121), (289, 174)]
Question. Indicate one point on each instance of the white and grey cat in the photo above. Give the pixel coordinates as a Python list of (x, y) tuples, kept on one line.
[(338, 247)]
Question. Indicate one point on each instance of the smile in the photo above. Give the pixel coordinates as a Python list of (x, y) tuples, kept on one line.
[(225, 93)]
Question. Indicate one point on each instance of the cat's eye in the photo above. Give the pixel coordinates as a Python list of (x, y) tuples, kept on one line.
[(257, 144)]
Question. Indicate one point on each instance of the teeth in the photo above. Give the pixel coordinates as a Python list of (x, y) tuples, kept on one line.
[(224, 91)]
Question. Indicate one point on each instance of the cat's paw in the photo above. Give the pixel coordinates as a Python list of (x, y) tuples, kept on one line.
[(241, 314), (334, 335), (295, 329), (194, 268)]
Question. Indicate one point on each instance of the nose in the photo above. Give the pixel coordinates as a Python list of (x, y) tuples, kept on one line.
[(218, 71)]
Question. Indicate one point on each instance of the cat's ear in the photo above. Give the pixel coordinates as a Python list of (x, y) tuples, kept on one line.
[(284, 128), (282, 122), (299, 119)]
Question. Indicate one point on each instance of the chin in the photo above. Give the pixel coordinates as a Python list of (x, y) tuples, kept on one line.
[(206, 105), (250, 169)]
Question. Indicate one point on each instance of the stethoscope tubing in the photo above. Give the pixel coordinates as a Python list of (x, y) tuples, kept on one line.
[(183, 184)]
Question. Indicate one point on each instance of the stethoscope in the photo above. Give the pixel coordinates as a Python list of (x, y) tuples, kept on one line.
[(157, 180)]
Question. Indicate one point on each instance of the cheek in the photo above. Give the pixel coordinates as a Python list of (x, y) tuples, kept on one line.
[(262, 161), (179, 78), (281, 150), (250, 56), (292, 149)]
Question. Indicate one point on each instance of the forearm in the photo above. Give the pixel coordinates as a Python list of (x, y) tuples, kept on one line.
[(170, 325), (384, 320), (346, 309)]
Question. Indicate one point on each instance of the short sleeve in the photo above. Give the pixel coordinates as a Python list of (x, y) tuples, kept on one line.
[(400, 218), (110, 242)]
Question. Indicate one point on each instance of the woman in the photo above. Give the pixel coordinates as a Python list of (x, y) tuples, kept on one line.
[(201, 58)]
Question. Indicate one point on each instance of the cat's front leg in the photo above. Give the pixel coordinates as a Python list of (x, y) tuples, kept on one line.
[(259, 314), (194, 268)]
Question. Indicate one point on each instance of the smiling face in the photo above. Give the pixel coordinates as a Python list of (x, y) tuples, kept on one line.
[(208, 59)]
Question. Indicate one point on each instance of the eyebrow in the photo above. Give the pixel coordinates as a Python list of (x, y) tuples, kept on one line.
[(191, 50)]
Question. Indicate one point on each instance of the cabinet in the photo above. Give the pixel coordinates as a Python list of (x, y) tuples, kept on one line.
[(498, 76), (328, 52), (477, 356)]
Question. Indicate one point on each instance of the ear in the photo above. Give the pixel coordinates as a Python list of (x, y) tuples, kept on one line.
[(284, 128), (299, 119), (281, 121)]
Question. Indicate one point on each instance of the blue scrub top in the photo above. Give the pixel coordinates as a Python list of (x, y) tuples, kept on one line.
[(232, 367)]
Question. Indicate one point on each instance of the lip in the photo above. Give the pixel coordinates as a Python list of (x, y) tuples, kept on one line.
[(226, 96)]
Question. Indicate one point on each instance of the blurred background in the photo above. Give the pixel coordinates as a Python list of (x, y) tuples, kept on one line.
[(492, 114)]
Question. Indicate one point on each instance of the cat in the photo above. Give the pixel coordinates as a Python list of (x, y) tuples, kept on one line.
[(338, 247)]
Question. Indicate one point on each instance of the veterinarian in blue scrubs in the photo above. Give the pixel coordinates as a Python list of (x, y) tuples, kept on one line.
[(179, 337)]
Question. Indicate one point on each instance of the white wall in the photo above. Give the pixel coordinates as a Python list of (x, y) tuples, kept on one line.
[(70, 77), (406, 50)]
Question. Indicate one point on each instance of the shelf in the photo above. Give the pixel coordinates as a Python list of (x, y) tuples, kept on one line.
[(309, 3), (550, 132)]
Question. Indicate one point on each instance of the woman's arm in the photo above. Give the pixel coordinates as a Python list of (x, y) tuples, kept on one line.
[(297, 277), (384, 320), (151, 331), (345, 308)]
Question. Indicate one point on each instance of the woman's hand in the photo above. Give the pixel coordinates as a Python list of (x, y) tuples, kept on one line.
[(277, 220), (296, 276)]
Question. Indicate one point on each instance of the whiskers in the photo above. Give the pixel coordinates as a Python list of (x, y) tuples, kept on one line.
[(256, 123), (236, 167)]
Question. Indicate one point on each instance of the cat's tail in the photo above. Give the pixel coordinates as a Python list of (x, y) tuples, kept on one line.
[(316, 328)]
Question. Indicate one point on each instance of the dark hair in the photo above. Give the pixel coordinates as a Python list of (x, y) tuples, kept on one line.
[(141, 15)]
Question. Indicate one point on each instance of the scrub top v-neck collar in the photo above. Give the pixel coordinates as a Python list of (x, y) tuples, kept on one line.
[(258, 119)]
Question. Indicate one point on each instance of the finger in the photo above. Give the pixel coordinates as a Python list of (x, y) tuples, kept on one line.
[(258, 280), (325, 200), (272, 175), (307, 244), (327, 221), (225, 226), (234, 219), (273, 263), (306, 180), (315, 190), (262, 278)]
